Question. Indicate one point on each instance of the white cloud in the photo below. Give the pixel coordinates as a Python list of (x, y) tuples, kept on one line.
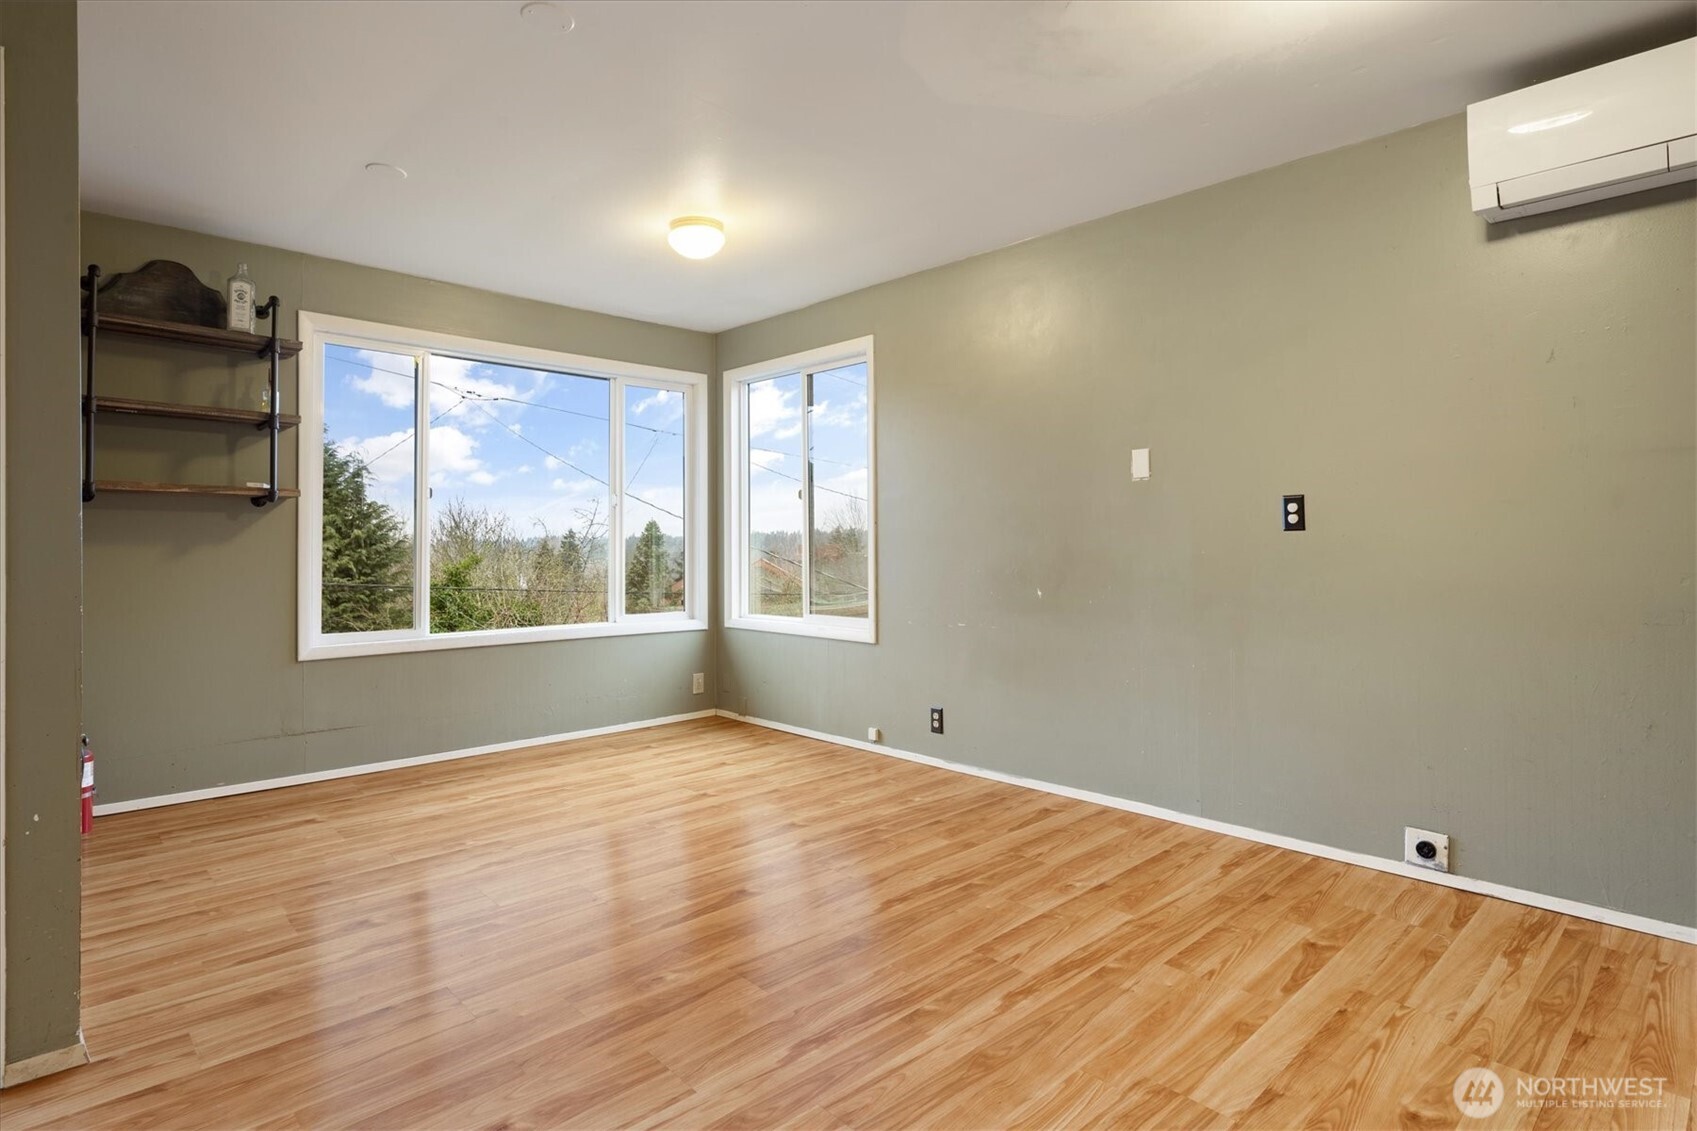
[(453, 454), (384, 380), (380, 380), (841, 414), (389, 458), (472, 403), (457, 372), (584, 488), (773, 411), (662, 406), (848, 483), (478, 395)]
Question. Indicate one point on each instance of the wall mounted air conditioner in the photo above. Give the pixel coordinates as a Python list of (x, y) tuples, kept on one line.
[(1623, 127)]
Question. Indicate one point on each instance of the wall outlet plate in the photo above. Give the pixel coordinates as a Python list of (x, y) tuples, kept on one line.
[(1426, 849), (936, 720), (1294, 512), (873, 734), (699, 684)]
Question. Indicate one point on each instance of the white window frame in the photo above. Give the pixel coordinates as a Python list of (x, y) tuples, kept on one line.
[(737, 381), (318, 330)]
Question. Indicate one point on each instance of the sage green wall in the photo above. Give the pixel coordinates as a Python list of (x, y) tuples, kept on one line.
[(192, 679), (1487, 628), (42, 552)]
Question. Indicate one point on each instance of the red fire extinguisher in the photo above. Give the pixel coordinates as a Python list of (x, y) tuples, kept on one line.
[(87, 787)]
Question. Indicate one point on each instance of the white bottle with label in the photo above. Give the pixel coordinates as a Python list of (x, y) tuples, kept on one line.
[(241, 300)]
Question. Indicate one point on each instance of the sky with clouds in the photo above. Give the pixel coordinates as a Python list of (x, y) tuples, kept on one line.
[(527, 443), (838, 434), (533, 444)]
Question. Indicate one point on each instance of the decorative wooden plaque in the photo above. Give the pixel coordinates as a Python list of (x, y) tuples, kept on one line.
[(164, 290)]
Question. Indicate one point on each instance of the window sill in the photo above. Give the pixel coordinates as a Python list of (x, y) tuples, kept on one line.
[(859, 633), (332, 649)]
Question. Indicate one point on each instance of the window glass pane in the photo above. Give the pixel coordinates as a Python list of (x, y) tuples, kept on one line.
[(519, 499), (653, 516), (775, 518), (838, 439), (369, 452)]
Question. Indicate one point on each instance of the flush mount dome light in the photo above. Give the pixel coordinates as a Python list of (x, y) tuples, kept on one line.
[(385, 170), (696, 237), (547, 17)]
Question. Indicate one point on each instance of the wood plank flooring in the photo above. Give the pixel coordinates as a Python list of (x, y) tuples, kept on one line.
[(713, 925)]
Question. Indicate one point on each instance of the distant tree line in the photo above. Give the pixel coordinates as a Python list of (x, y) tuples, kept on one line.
[(484, 574), (841, 566)]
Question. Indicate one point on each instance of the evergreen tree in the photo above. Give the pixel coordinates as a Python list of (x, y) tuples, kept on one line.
[(367, 554), (674, 592), (583, 571), (574, 556), (648, 575)]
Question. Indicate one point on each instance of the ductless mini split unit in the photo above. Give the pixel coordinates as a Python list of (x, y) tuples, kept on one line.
[(1620, 128)]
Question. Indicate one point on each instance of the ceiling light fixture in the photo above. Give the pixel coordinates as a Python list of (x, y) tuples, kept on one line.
[(696, 237), (1549, 123), (386, 170), (547, 17)]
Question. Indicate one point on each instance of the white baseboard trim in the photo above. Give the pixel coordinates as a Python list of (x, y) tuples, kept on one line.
[(1554, 903), (46, 1064), (378, 767)]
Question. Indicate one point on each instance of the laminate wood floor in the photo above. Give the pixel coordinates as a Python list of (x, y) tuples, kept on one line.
[(713, 925)]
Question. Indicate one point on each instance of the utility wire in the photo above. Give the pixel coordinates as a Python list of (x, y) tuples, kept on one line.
[(470, 394), (573, 411), (797, 455), (796, 577), (512, 400), (409, 434), (520, 435), (816, 569), (568, 411), (642, 464), (816, 485)]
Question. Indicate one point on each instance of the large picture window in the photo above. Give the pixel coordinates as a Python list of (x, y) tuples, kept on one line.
[(801, 554), (459, 492)]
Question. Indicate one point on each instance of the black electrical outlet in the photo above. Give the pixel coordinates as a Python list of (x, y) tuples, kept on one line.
[(936, 720), (1295, 513)]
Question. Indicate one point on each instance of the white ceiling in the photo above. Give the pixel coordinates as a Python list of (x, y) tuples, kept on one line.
[(842, 143)]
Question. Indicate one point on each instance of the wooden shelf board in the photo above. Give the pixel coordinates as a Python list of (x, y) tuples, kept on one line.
[(214, 413), (237, 341), (237, 490)]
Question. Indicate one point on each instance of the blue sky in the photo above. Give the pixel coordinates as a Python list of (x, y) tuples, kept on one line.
[(838, 432), (528, 443)]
